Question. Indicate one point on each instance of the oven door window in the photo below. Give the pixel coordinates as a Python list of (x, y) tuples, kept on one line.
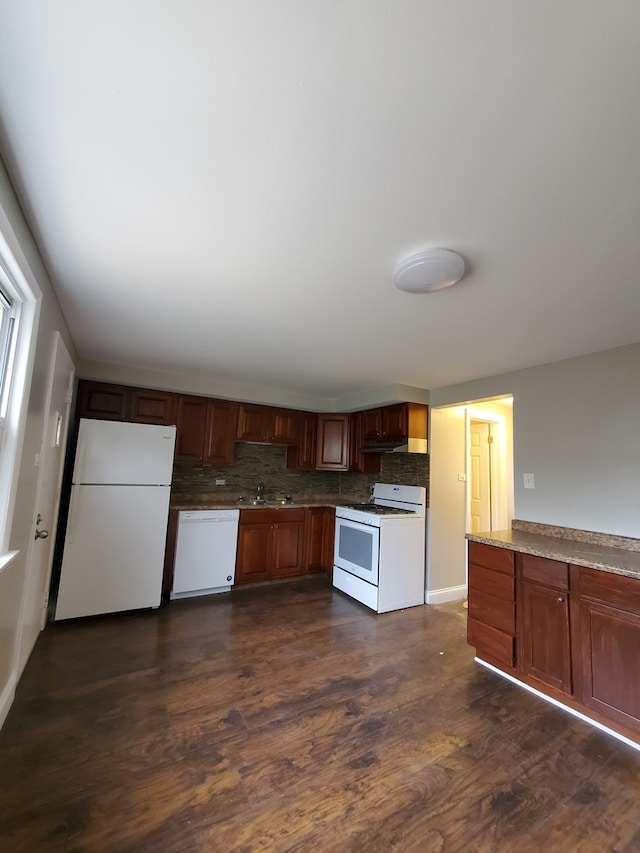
[(357, 549)]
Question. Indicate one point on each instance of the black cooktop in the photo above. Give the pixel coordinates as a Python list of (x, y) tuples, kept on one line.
[(375, 509)]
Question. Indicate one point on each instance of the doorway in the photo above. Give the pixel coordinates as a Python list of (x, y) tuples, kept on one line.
[(458, 474)]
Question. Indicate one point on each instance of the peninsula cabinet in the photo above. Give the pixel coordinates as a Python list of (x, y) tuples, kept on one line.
[(270, 544), (544, 651), (491, 622), (606, 613), (577, 631)]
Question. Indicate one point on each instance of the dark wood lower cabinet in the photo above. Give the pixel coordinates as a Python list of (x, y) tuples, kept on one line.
[(270, 544), (577, 632), (607, 615), (543, 616), (491, 624), (319, 536)]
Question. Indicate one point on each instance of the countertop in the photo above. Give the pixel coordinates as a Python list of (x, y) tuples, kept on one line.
[(586, 549)]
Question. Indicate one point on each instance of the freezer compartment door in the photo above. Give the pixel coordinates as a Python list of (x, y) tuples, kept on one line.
[(122, 453), (114, 550)]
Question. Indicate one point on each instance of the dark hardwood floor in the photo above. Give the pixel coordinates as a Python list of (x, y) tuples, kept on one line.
[(290, 718)]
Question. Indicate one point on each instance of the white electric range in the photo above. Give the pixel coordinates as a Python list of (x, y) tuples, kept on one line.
[(379, 554)]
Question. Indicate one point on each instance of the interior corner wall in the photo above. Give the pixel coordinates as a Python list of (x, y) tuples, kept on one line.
[(575, 428)]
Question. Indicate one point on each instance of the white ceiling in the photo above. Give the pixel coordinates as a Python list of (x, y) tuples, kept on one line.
[(224, 188)]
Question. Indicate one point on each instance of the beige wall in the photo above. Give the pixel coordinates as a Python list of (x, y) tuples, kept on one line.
[(13, 578)]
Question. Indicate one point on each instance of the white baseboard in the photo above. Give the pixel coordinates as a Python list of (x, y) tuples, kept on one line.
[(450, 593), (6, 699)]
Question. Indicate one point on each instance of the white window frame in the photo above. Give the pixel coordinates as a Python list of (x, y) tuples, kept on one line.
[(22, 291)]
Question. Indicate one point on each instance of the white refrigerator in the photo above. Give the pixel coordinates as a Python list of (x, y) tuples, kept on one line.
[(114, 545)]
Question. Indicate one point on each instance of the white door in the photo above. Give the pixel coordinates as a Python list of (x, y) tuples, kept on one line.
[(480, 437), (51, 458)]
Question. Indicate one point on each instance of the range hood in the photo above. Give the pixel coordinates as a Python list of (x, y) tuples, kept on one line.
[(396, 445)]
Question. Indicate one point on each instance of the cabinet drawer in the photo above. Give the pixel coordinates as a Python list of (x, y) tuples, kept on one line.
[(544, 571), (615, 590), (490, 643), (271, 516), (499, 559), (491, 582), (493, 611)]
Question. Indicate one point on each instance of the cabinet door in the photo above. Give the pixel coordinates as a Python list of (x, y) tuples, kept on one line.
[(153, 407), (284, 426), (253, 560), (394, 421), (303, 454), (287, 549), (545, 649), (192, 423), (608, 615), (253, 422), (222, 422), (319, 536), (364, 463), (371, 423), (103, 401), (333, 443)]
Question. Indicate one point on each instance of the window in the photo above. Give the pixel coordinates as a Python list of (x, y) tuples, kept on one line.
[(9, 310)]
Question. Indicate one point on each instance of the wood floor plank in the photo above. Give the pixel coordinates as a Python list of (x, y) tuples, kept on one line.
[(290, 718)]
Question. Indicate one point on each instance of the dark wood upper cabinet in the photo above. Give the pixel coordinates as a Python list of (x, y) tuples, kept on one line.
[(206, 430), (332, 453), (153, 407), (399, 421), (267, 424), (303, 454), (371, 423), (220, 433), (192, 428), (359, 462), (103, 401)]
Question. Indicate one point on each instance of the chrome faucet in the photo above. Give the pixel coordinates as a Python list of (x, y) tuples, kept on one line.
[(259, 491)]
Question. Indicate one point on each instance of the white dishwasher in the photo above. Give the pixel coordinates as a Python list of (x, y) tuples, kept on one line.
[(205, 561)]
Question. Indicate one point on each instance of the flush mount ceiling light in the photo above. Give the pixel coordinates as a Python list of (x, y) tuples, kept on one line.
[(433, 269)]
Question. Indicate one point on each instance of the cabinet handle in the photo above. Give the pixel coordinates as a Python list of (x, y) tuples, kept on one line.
[(561, 599)]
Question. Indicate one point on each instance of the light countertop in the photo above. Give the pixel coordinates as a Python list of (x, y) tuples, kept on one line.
[(592, 554)]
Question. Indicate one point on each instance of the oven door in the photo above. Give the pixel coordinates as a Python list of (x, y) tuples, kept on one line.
[(357, 549)]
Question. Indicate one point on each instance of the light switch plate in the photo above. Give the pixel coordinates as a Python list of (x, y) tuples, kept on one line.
[(528, 481)]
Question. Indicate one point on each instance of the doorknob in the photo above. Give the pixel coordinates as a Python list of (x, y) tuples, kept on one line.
[(41, 534)]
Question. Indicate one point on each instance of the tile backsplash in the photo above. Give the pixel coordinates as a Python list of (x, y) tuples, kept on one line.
[(267, 463)]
